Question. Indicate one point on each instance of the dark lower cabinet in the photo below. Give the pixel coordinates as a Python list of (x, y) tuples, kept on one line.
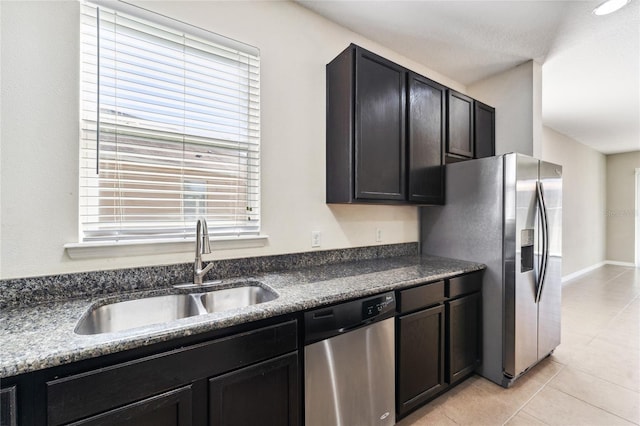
[(438, 338), (463, 336), (242, 379), (265, 394), (168, 409), (420, 343), (8, 403)]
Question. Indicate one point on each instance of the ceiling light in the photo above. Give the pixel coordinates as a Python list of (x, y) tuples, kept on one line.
[(609, 6)]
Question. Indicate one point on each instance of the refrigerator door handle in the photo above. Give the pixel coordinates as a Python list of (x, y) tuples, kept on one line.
[(545, 238)]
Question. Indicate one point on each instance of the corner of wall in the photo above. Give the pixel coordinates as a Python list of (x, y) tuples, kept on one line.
[(511, 93), (537, 126)]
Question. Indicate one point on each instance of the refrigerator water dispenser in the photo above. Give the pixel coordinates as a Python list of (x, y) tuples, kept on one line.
[(526, 239)]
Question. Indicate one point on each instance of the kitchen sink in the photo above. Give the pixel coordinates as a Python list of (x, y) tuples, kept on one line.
[(145, 311), (237, 297)]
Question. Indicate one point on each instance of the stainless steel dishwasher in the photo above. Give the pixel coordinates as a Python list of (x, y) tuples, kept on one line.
[(349, 358)]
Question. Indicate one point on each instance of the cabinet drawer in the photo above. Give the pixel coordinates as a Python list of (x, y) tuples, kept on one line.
[(464, 284), (97, 391), (420, 297), (170, 408)]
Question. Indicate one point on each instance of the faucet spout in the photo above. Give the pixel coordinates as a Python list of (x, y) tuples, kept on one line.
[(203, 246)]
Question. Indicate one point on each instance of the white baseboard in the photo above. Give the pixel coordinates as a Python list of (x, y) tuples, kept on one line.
[(616, 263), (595, 266), (582, 271)]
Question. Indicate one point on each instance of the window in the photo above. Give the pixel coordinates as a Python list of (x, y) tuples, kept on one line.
[(170, 129)]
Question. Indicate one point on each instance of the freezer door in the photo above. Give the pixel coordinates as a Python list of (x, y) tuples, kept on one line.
[(549, 302), (522, 258)]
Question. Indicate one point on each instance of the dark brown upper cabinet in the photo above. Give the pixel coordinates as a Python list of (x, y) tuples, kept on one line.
[(366, 129), (459, 125), (390, 130), (385, 132), (484, 128), (426, 134)]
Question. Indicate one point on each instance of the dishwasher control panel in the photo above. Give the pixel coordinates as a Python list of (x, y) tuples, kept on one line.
[(322, 323), (376, 306)]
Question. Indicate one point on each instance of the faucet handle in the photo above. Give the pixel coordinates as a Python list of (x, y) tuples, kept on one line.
[(206, 244)]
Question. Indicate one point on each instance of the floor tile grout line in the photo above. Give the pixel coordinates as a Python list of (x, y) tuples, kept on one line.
[(599, 332), (617, 276), (529, 414), (536, 393), (594, 406), (445, 414), (604, 280), (603, 379), (573, 280)]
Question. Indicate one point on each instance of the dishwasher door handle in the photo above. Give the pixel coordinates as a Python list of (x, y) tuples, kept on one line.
[(327, 313), (353, 327)]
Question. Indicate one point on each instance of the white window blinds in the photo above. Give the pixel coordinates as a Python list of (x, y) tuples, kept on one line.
[(170, 130)]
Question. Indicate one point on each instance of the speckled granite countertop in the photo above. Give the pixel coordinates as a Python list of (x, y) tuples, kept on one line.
[(42, 336)]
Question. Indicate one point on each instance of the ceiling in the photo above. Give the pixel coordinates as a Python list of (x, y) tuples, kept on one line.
[(591, 64)]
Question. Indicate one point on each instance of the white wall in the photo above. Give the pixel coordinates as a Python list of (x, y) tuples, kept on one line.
[(583, 199), (516, 95), (39, 133), (621, 210)]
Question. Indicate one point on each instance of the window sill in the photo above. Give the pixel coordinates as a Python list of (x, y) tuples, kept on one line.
[(141, 248)]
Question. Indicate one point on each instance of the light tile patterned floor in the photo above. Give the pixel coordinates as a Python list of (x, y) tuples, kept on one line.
[(593, 377)]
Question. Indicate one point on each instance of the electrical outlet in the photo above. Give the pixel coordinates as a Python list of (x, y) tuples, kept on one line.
[(378, 235), (315, 238)]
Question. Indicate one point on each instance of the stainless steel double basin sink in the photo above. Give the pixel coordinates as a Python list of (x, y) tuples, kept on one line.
[(146, 311)]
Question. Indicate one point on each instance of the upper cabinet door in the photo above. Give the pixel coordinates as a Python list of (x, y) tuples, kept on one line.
[(459, 124), (379, 128), (426, 124), (485, 136)]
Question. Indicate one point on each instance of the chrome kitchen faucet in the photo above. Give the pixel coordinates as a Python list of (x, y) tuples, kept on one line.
[(203, 246)]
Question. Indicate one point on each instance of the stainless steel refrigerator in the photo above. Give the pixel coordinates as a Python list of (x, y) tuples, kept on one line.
[(506, 212)]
